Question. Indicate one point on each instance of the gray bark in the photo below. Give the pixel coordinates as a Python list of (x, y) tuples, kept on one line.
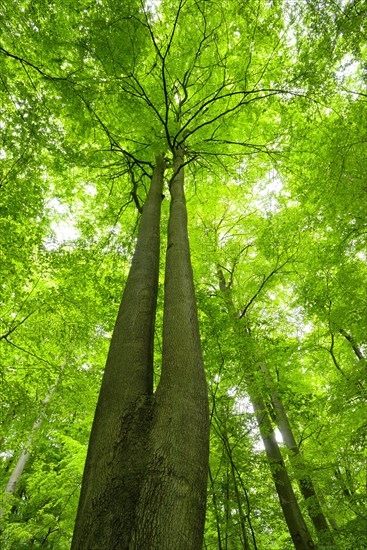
[(297, 527), (171, 509), (24, 457), (117, 452), (304, 480), (354, 344), (296, 524)]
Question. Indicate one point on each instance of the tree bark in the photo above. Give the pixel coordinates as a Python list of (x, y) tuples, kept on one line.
[(24, 457), (171, 509), (304, 481), (117, 452), (296, 524), (297, 527), (354, 344)]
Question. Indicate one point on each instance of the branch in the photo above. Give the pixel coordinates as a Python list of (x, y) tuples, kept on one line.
[(29, 352), (17, 161), (40, 71), (148, 101), (331, 351), (265, 280), (189, 161), (257, 147), (267, 92), (187, 75), (134, 193), (225, 113), (180, 6), (4, 336), (113, 142)]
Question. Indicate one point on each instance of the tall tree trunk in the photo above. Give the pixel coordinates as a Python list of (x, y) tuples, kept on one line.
[(240, 492), (216, 510), (117, 452), (171, 510), (304, 480), (297, 526), (239, 498), (24, 457), (353, 343)]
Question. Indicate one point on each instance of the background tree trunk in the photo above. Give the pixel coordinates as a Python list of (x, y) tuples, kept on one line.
[(304, 480), (353, 343), (297, 527), (292, 514), (216, 510), (24, 457)]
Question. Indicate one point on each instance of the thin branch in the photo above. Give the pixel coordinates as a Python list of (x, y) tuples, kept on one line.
[(29, 352), (263, 283), (227, 111), (29, 64), (113, 142), (331, 351), (17, 161), (4, 336)]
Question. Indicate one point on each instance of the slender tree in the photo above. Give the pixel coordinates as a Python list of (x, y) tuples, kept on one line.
[(305, 482), (26, 453), (293, 516)]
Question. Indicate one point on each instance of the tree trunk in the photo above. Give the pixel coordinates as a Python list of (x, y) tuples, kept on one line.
[(236, 479), (353, 343), (292, 514), (24, 457), (304, 480), (298, 529), (117, 452), (216, 510), (171, 509)]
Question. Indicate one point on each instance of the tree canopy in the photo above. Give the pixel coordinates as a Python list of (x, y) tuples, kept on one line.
[(269, 100)]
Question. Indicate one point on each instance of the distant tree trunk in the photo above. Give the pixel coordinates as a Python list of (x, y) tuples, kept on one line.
[(117, 452), (171, 509), (227, 507), (353, 343), (242, 517), (216, 511), (297, 526), (304, 480), (24, 457), (347, 491)]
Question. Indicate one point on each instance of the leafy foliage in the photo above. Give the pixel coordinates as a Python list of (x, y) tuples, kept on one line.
[(271, 98)]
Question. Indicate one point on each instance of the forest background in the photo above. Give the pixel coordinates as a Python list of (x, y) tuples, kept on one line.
[(270, 98)]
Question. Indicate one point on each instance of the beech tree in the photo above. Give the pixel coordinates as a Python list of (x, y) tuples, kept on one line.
[(125, 130)]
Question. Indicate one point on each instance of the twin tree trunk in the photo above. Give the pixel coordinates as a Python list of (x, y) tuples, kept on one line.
[(144, 484)]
